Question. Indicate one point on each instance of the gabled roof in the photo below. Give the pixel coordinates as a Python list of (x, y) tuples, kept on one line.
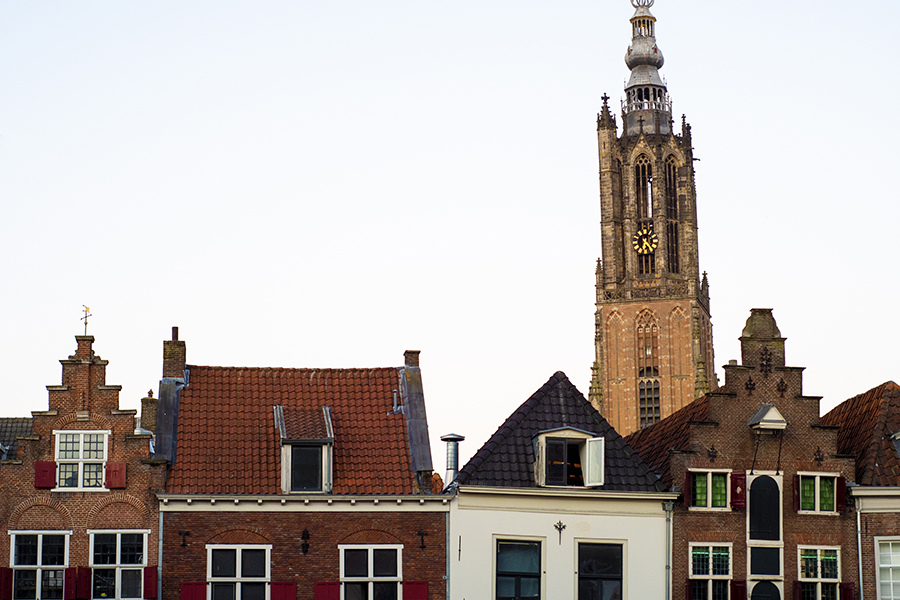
[(507, 458), (653, 443), (10, 427), (867, 423), (228, 442)]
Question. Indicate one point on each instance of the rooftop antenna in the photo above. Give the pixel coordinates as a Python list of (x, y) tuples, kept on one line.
[(87, 313)]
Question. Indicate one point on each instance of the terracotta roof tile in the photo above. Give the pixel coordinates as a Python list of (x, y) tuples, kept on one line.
[(228, 442), (866, 423)]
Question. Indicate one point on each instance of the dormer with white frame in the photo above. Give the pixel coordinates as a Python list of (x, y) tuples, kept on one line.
[(568, 457)]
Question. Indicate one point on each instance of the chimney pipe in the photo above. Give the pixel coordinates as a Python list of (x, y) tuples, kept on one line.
[(452, 441)]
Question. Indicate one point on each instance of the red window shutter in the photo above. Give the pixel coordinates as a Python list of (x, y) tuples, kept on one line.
[(848, 590), (415, 590), (797, 588), (283, 590), (688, 489), (738, 588), (688, 589), (739, 490), (841, 494), (115, 475), (70, 584), (327, 590), (6, 583), (150, 574), (44, 474), (83, 585), (796, 495), (193, 591)]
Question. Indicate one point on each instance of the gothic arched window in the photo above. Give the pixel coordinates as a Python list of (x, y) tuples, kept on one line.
[(648, 369), (643, 187), (672, 233)]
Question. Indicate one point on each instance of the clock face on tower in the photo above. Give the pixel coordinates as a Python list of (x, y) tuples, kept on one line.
[(644, 241)]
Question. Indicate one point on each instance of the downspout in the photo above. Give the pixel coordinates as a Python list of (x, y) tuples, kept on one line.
[(859, 552), (159, 556), (669, 507), (447, 552)]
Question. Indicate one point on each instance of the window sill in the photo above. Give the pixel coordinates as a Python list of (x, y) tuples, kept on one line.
[(68, 489), (827, 513), (710, 508)]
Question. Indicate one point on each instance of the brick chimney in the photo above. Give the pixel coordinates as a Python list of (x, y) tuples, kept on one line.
[(149, 407), (174, 356), (411, 358)]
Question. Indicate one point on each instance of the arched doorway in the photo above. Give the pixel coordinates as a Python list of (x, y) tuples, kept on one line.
[(765, 590)]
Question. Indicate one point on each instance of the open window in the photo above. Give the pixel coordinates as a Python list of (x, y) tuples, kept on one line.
[(569, 457), (307, 440)]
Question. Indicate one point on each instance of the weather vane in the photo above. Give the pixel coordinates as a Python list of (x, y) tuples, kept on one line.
[(87, 313)]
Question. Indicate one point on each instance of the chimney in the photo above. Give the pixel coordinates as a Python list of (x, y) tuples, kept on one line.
[(148, 412), (453, 441), (174, 356), (411, 358)]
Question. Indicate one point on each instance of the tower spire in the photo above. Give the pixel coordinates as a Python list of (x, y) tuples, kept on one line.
[(646, 97)]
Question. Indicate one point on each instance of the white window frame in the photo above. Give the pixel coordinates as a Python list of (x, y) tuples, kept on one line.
[(709, 473), (371, 579), (592, 451), (893, 569), (779, 543), (39, 568), (709, 578), (80, 461), (118, 565), (496, 538), (286, 460), (819, 580), (818, 476), (238, 578)]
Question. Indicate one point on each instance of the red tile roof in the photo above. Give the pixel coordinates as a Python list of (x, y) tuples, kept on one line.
[(653, 443), (228, 443), (866, 424)]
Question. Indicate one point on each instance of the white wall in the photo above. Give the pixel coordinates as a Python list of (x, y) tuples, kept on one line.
[(478, 518)]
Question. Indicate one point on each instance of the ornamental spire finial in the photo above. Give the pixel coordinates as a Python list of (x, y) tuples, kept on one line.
[(639, 3)]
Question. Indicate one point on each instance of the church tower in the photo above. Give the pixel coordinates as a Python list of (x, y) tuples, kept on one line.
[(653, 335)]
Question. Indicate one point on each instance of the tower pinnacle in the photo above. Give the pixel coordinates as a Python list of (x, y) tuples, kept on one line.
[(647, 100)]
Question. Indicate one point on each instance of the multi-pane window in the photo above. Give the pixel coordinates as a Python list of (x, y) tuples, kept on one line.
[(371, 572), (819, 573), (648, 370), (709, 489), (710, 572), (80, 456), (518, 570), (643, 187), (599, 571), (817, 493), (38, 562), (237, 572), (118, 559), (889, 569)]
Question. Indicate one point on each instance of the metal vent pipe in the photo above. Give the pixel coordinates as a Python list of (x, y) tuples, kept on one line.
[(452, 441)]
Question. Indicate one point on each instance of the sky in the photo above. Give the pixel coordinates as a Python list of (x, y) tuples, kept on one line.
[(328, 184)]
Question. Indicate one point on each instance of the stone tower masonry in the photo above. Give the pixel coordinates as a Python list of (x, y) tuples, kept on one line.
[(653, 334)]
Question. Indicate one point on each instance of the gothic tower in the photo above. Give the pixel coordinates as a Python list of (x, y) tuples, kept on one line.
[(653, 335)]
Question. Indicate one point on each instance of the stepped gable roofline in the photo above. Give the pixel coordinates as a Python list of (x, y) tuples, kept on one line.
[(869, 430), (655, 442), (229, 442), (507, 458)]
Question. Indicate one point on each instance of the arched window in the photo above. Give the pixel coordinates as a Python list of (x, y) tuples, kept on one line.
[(648, 369), (672, 233), (643, 187)]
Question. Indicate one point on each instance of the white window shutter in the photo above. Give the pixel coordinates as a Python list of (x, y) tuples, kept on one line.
[(594, 460)]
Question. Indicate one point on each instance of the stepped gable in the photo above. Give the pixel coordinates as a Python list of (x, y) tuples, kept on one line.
[(228, 442), (10, 429), (507, 458), (655, 442), (867, 423)]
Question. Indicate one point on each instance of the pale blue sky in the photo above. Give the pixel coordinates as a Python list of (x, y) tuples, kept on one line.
[(327, 184)]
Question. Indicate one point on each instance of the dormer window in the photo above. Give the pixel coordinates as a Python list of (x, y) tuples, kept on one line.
[(307, 439), (569, 457)]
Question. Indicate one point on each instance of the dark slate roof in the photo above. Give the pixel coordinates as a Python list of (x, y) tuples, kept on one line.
[(866, 424), (9, 429), (507, 458), (653, 443)]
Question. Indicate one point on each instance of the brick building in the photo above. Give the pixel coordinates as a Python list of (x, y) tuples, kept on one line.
[(764, 480), (78, 493), (653, 334), (298, 483)]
